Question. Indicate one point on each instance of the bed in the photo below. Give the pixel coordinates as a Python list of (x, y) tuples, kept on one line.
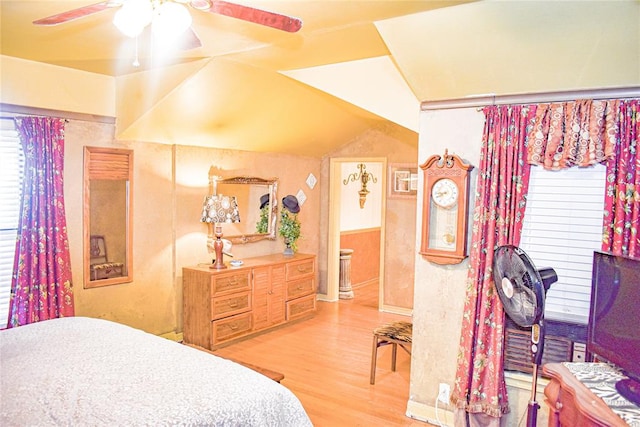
[(84, 371)]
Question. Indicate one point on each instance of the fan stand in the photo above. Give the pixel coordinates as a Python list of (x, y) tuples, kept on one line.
[(537, 342), (513, 271), (532, 409)]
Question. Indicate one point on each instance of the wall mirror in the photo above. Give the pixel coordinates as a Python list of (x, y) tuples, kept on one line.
[(107, 216), (258, 206)]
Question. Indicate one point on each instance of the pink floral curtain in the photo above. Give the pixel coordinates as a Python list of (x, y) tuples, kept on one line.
[(41, 283), (586, 132), (575, 133), (503, 181), (622, 196), (554, 136)]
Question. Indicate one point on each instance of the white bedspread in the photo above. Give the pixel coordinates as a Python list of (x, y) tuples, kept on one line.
[(88, 372)]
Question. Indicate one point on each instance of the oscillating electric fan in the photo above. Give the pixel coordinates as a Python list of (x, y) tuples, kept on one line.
[(522, 290)]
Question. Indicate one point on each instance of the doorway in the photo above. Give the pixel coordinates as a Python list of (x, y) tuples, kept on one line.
[(344, 203)]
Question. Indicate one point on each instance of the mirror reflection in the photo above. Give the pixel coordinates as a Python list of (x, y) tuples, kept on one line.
[(108, 229), (257, 203), (107, 216)]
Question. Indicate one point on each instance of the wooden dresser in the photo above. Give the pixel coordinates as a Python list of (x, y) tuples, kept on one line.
[(571, 403), (221, 306)]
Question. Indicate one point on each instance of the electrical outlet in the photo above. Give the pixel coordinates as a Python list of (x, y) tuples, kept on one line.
[(443, 393)]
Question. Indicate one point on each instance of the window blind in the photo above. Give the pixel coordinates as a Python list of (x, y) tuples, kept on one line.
[(11, 174), (562, 227)]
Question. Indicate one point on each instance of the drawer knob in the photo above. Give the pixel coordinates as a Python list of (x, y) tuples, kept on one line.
[(233, 304)]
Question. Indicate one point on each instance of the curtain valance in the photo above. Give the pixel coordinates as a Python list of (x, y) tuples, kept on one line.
[(575, 133)]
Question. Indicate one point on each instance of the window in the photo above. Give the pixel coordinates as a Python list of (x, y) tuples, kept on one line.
[(11, 173), (562, 228)]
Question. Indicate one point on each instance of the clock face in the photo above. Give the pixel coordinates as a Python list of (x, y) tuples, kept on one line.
[(444, 193)]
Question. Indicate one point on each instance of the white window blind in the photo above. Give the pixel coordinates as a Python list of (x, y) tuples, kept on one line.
[(11, 173), (562, 227)]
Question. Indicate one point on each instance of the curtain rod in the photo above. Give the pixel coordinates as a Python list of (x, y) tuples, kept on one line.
[(531, 98)]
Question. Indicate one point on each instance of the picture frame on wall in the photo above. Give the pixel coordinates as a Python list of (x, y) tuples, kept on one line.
[(403, 180)]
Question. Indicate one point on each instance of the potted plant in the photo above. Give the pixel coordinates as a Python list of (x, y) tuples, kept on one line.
[(289, 224), (262, 227)]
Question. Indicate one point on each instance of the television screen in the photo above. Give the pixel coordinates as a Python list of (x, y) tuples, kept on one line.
[(614, 319)]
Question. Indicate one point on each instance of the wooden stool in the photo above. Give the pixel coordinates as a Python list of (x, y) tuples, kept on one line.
[(394, 333)]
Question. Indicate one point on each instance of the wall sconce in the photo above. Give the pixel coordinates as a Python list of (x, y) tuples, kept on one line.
[(218, 209), (364, 178)]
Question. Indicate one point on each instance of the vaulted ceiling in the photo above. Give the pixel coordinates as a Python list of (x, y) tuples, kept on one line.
[(354, 65)]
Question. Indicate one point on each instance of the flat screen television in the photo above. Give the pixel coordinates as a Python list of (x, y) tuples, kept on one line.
[(614, 318)]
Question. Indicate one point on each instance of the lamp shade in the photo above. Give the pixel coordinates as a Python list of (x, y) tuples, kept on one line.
[(218, 209)]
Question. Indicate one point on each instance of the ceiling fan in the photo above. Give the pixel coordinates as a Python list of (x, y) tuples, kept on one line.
[(173, 9)]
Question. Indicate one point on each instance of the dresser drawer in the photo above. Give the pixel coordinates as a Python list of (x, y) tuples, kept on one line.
[(231, 304), (300, 288), (299, 269), (301, 307), (230, 327), (231, 282)]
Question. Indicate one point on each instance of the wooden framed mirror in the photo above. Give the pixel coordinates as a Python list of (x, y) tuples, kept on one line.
[(107, 216), (258, 206)]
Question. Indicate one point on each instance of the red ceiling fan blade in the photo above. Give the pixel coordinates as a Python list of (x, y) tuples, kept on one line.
[(74, 14), (257, 16)]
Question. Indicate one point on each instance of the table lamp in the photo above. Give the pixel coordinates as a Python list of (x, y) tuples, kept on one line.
[(216, 210)]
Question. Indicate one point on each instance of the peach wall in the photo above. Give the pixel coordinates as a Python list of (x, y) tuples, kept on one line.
[(169, 185), (400, 218), (440, 289), (63, 89), (365, 261)]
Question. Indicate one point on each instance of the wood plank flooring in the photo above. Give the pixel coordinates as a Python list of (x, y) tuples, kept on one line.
[(326, 362)]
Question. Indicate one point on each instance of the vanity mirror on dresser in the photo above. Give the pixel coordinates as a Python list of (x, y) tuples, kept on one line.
[(222, 306), (257, 200)]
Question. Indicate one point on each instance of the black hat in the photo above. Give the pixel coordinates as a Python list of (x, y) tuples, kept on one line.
[(264, 200), (291, 204)]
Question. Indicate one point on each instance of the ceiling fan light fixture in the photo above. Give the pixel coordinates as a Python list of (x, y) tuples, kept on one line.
[(200, 4), (133, 16), (170, 20)]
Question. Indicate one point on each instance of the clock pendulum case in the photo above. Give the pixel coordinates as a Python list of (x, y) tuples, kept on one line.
[(445, 209)]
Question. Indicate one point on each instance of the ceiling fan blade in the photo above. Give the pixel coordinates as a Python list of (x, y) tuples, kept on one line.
[(74, 14), (257, 16)]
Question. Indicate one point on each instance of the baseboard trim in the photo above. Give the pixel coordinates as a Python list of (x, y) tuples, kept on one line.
[(173, 336), (397, 310), (385, 308), (325, 298), (429, 414), (373, 281)]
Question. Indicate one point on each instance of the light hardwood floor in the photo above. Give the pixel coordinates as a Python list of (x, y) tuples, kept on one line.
[(326, 362)]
